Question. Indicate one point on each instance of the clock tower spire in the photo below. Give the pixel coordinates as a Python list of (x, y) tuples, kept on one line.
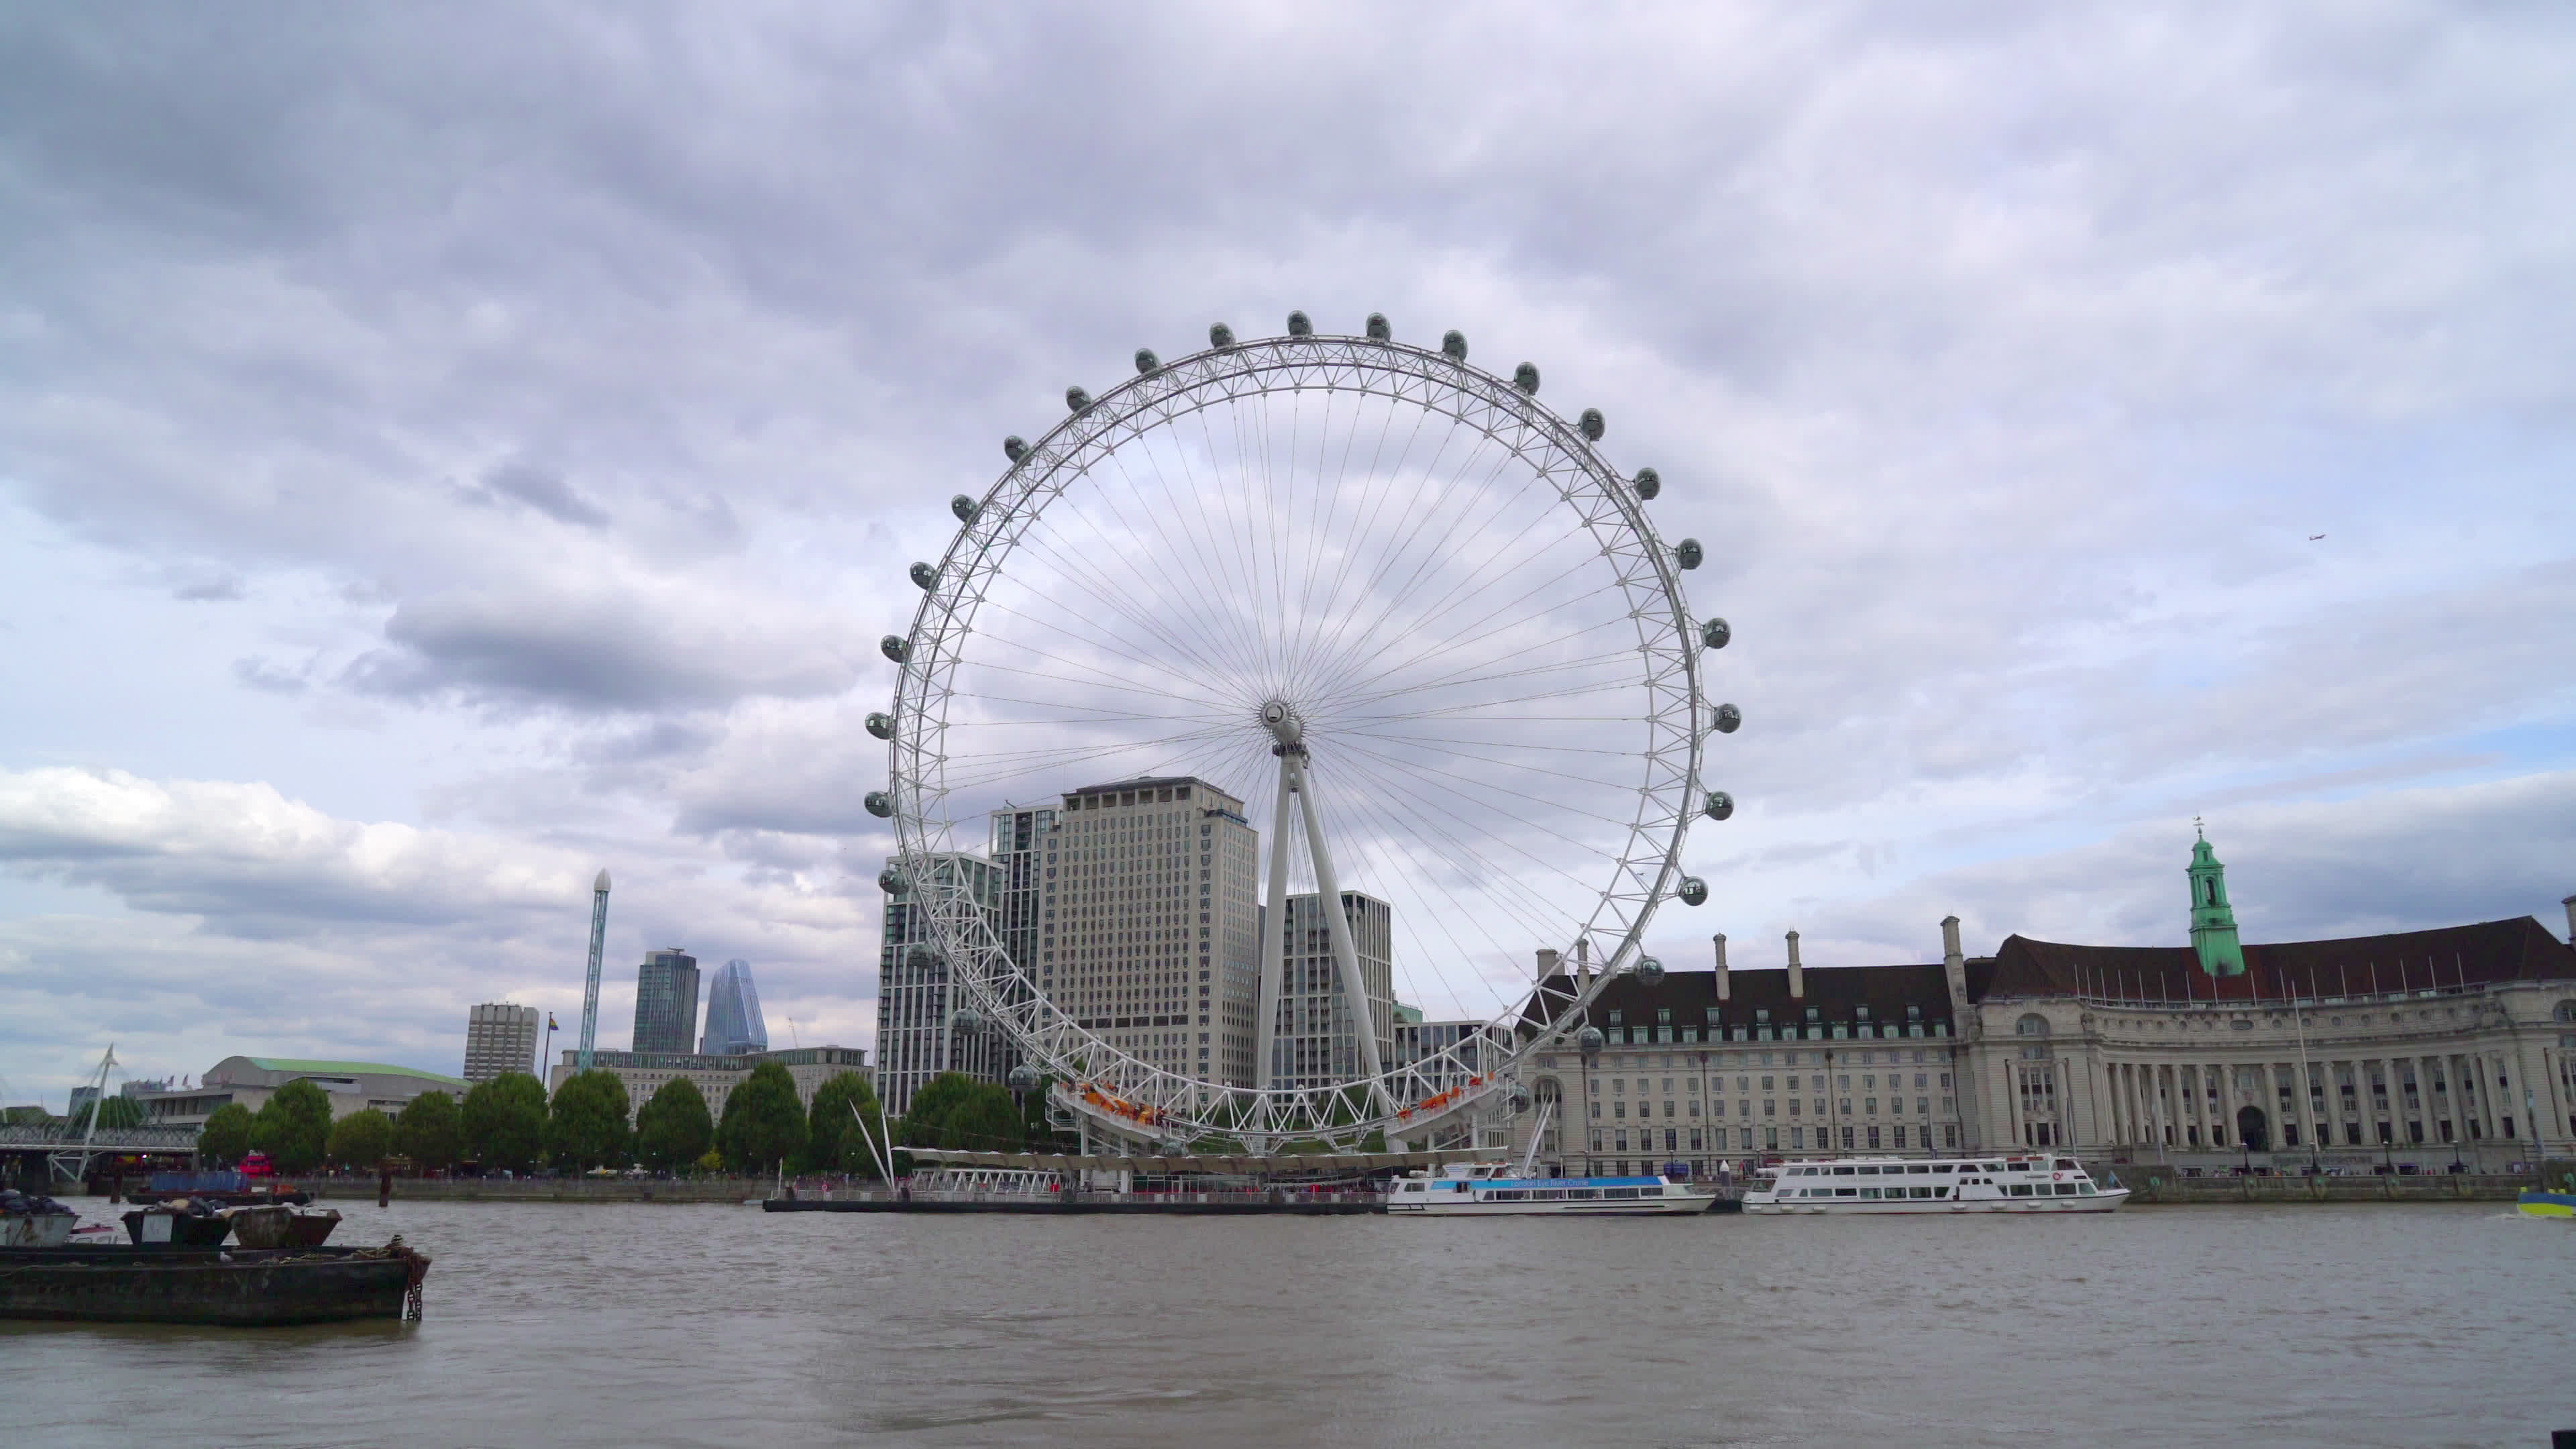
[(2213, 920)]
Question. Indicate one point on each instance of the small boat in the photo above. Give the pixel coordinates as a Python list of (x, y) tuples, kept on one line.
[(1880, 1186), (215, 1286), (2540, 1202), (1494, 1189), (177, 1222), (282, 1227)]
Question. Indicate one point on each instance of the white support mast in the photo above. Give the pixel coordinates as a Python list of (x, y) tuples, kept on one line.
[(1274, 932), (1293, 780)]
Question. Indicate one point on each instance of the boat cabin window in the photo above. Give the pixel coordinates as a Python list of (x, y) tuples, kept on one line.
[(2069, 1164)]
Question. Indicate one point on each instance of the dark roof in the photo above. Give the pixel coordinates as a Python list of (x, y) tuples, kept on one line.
[(1147, 782), (1835, 992), (2486, 953)]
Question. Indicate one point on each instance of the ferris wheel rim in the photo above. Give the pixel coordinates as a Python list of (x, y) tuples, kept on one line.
[(1153, 1100)]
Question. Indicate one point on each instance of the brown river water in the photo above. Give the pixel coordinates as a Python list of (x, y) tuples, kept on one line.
[(2357, 1324)]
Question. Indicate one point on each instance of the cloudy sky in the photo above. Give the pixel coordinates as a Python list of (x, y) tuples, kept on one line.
[(444, 453)]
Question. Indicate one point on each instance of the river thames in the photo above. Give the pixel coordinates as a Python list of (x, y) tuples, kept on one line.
[(650, 1324)]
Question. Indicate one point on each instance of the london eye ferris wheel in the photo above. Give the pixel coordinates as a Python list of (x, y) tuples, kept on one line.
[(1418, 649)]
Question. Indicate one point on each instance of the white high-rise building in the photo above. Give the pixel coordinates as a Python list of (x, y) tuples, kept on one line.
[(915, 1008), (916, 1039), (499, 1037), (1149, 922), (1313, 1044)]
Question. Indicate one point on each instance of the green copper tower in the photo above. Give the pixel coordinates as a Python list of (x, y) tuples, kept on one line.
[(2213, 920)]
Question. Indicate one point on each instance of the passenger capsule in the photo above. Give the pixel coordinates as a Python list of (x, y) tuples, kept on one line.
[(1147, 364), (924, 576), (1650, 972), (965, 508), (1694, 891), (1525, 377), (1648, 483), (1220, 335), (1454, 343), (1687, 553), (966, 1021), (1518, 1098), (1591, 425), (1025, 1078), (1299, 326), (880, 804), (1378, 330), (1714, 634), (921, 953), (881, 724), (1014, 448), (1588, 1041), (1076, 400), (1729, 719), (893, 647), (890, 880), (1718, 806)]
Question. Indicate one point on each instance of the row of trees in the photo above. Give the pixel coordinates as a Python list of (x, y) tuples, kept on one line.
[(508, 1123)]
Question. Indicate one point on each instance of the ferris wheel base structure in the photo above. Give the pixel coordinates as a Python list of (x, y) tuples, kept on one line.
[(1284, 594)]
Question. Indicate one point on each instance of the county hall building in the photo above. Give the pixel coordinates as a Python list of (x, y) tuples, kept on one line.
[(2422, 1051)]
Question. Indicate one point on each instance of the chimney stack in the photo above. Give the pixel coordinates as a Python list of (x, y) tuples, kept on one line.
[(1546, 964), (1720, 939), (2570, 904), (1797, 977), (1954, 972)]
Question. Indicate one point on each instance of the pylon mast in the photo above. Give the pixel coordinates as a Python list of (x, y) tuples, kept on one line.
[(590, 992)]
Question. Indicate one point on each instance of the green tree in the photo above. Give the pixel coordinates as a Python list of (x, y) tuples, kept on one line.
[(427, 1132), (587, 1126), (763, 1123), (938, 1098), (293, 1126), (504, 1121), (833, 1141), (674, 1129), (361, 1139), (987, 1121), (226, 1135), (117, 1113)]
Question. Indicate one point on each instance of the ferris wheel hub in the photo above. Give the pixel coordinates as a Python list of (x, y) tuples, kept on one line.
[(1284, 724)]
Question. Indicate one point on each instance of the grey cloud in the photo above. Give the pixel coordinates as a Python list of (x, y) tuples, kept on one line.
[(1992, 377), (612, 649), (542, 489), (215, 590), (269, 677)]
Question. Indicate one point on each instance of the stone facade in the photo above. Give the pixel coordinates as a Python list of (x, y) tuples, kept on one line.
[(2452, 1049)]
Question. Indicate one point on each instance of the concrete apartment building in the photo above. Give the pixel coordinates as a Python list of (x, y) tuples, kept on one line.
[(499, 1037), (917, 1037), (1314, 1041), (1149, 923)]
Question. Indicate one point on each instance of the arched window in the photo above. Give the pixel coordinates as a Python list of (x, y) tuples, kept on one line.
[(2032, 1025), (2567, 1011), (1548, 1090)]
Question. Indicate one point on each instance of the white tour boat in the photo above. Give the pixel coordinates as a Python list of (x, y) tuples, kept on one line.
[(1494, 1189), (2004, 1184)]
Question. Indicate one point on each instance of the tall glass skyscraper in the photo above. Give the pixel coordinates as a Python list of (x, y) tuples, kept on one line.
[(734, 1024), (666, 1001)]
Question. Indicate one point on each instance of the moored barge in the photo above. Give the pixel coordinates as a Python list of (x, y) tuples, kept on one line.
[(230, 1287)]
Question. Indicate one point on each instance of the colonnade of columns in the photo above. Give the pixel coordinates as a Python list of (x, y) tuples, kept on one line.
[(2449, 1097)]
